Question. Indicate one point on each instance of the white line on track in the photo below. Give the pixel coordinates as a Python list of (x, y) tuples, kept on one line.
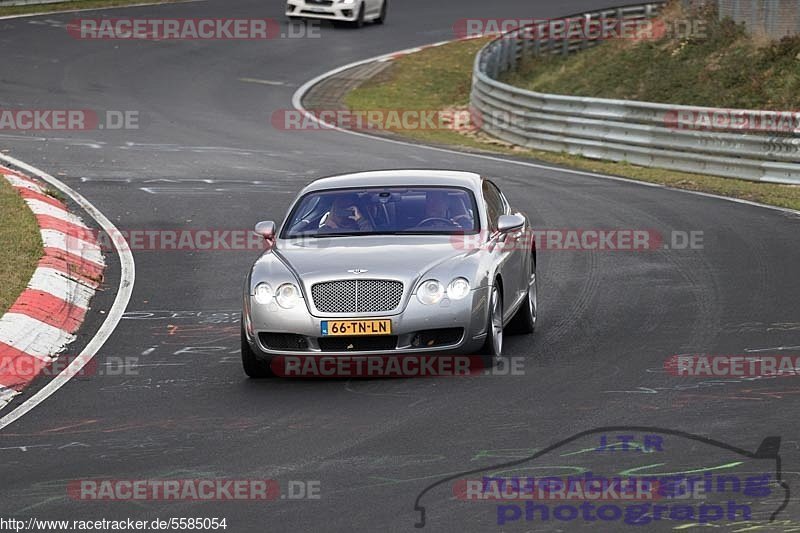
[(127, 279), (297, 102), (264, 82)]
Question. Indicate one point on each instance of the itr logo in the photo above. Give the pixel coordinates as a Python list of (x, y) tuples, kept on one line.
[(627, 443)]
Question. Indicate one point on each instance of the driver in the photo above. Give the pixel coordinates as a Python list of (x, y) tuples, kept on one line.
[(440, 210), (345, 215), (436, 204)]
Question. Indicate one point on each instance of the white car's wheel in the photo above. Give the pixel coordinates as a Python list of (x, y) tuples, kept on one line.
[(359, 22), (384, 8)]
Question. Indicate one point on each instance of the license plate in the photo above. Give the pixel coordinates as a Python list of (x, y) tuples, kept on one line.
[(331, 328)]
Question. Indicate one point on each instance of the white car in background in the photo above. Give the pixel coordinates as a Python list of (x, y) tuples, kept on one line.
[(353, 12)]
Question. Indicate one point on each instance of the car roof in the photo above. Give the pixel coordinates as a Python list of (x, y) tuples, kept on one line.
[(398, 178)]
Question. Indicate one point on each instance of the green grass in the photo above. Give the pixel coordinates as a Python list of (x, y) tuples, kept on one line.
[(440, 78), (723, 66), (76, 4), (20, 245)]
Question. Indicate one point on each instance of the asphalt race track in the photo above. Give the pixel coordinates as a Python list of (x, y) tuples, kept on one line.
[(206, 156)]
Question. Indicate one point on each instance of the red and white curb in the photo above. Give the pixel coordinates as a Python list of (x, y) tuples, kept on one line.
[(46, 316)]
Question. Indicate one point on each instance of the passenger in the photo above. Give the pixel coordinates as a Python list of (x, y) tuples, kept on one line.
[(345, 216)]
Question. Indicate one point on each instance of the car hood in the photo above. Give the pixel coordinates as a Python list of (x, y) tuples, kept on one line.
[(403, 257)]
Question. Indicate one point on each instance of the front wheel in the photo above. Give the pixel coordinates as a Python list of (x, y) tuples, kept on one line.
[(253, 366), (384, 8), (493, 347), (359, 22)]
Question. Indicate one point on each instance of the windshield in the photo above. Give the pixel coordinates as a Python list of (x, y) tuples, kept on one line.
[(384, 211)]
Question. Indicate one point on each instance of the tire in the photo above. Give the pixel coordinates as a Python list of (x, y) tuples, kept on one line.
[(384, 8), (359, 22), (254, 367), (493, 347), (524, 321)]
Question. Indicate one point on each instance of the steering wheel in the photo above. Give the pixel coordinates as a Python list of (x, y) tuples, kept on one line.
[(432, 221)]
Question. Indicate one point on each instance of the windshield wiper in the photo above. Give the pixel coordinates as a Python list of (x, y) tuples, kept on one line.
[(324, 235), (370, 234)]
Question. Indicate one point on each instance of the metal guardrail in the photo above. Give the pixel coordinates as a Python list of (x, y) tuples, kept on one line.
[(642, 133)]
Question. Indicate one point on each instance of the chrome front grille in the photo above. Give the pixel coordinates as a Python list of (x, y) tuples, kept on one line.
[(357, 296)]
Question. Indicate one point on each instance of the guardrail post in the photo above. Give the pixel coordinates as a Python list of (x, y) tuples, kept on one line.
[(506, 64), (585, 32)]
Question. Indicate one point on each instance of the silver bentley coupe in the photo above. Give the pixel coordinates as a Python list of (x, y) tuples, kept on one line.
[(390, 262)]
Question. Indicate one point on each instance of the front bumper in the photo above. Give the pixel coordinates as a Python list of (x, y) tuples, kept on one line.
[(325, 10), (409, 327)]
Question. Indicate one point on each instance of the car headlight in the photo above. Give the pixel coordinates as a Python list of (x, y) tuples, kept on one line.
[(430, 292), (347, 2), (458, 289), (263, 293), (287, 295)]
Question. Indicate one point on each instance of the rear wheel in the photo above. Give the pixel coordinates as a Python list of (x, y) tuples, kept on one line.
[(493, 347), (384, 8), (253, 366), (524, 321)]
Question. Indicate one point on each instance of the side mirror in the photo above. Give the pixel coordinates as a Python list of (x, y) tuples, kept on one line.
[(509, 223), (266, 230)]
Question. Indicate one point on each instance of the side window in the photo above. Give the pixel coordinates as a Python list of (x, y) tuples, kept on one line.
[(495, 205), (506, 205)]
